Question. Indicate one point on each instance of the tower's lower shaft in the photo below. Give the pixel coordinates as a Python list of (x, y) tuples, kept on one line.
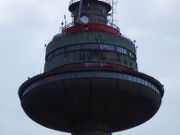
[(92, 127)]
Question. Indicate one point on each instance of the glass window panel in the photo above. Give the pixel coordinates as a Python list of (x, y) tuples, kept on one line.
[(156, 89), (59, 51), (102, 47), (143, 82), (125, 51), (146, 83), (55, 78), (134, 79), (78, 47), (112, 48), (115, 75), (139, 80), (133, 56), (86, 46), (68, 49), (120, 76), (50, 56), (73, 47), (129, 77), (125, 77), (152, 86), (119, 49), (96, 46)]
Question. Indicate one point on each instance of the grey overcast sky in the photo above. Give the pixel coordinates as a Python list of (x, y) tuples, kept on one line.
[(26, 25)]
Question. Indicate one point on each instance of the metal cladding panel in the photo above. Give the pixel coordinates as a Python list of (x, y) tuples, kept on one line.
[(102, 88), (91, 37)]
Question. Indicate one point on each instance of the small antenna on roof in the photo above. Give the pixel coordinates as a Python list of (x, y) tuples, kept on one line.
[(112, 11), (114, 4), (65, 20), (61, 27), (62, 23), (79, 11)]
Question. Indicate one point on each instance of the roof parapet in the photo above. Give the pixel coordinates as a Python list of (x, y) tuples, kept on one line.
[(106, 1)]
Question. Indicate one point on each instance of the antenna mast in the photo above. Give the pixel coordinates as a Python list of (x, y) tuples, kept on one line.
[(79, 11), (112, 11)]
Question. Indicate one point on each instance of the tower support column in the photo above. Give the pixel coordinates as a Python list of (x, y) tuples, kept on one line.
[(92, 127)]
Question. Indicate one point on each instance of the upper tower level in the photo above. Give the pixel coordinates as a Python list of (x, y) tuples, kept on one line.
[(90, 11), (90, 40), (90, 15)]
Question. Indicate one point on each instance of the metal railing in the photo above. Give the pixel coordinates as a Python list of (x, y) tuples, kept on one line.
[(108, 24), (113, 25), (74, 1), (68, 26)]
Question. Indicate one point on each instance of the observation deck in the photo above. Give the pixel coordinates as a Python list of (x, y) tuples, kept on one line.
[(91, 84)]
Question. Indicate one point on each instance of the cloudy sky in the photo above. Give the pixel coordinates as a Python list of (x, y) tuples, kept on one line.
[(26, 25)]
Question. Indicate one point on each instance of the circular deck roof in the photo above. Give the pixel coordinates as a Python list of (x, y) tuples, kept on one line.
[(57, 100)]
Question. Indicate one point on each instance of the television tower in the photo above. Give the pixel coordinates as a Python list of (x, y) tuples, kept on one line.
[(91, 84)]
